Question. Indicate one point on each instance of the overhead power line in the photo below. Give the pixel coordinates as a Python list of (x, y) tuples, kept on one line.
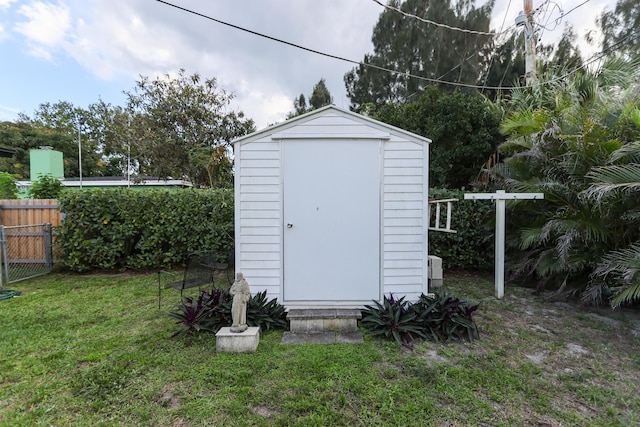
[(437, 24), (317, 52), (590, 60)]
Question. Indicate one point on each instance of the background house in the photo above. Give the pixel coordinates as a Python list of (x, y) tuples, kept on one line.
[(46, 161)]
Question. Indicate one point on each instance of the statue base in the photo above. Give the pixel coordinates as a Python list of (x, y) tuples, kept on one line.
[(234, 342)]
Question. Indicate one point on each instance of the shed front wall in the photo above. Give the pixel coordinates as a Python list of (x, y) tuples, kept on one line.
[(403, 206)]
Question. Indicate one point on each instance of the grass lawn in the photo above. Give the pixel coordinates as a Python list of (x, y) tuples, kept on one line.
[(95, 350)]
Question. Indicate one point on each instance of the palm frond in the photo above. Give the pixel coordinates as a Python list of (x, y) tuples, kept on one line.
[(628, 152), (630, 294), (524, 122), (612, 179), (530, 237)]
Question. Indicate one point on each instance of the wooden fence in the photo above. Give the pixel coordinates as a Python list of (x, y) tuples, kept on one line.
[(28, 212), (22, 245)]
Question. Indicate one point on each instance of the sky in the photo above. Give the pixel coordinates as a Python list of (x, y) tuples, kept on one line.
[(83, 51)]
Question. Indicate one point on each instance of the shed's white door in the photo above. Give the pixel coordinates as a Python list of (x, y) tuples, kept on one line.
[(331, 221)]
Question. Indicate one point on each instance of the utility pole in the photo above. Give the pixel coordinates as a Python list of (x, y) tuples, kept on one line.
[(530, 44), (80, 124), (526, 19)]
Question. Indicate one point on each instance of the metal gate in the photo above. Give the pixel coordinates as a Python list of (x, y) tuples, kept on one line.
[(26, 252)]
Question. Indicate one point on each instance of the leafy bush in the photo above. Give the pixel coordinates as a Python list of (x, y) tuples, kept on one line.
[(444, 316), (204, 313), (45, 187), (8, 189), (131, 228), (266, 314), (440, 317), (392, 319), (472, 247), (211, 311)]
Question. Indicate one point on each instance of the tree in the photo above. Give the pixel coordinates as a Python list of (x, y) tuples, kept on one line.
[(178, 122), (620, 29), (566, 55), (559, 132), (320, 96), (299, 107), (463, 129), (506, 65), (409, 46)]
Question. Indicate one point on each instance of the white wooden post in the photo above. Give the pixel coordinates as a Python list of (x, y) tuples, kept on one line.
[(501, 197)]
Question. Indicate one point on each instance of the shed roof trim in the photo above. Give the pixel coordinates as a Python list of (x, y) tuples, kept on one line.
[(383, 130)]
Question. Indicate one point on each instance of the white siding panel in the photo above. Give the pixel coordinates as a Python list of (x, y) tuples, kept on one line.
[(403, 171), (403, 280), (261, 247), (403, 179), (328, 130), (403, 238), (259, 256), (273, 239), (261, 171), (259, 197), (260, 272), (261, 155), (408, 154), (260, 222), (333, 120), (403, 162), (405, 197), (402, 204), (260, 188), (404, 230), (403, 247), (403, 188), (402, 145), (401, 264), (259, 180), (260, 230), (259, 214), (403, 218), (402, 272), (260, 282), (402, 213), (261, 163), (407, 256), (260, 205), (402, 222)]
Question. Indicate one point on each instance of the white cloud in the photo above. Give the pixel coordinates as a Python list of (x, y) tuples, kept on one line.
[(4, 4), (46, 27)]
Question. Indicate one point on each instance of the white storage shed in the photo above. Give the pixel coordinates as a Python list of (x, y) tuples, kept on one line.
[(331, 210)]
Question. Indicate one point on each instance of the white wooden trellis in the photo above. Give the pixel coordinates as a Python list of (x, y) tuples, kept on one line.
[(437, 223), (500, 196)]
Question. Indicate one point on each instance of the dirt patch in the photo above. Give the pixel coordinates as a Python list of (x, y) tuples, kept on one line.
[(168, 397), (263, 411)]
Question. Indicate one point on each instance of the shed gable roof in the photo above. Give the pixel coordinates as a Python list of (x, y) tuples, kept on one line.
[(332, 114)]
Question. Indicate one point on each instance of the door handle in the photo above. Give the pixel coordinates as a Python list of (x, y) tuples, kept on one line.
[(289, 225)]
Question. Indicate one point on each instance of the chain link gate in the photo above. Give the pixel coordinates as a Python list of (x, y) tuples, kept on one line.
[(26, 252)]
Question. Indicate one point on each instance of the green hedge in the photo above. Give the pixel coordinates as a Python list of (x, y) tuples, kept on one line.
[(130, 228), (472, 247)]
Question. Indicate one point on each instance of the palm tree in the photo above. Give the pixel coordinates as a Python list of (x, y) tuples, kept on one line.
[(560, 131), (618, 184)]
